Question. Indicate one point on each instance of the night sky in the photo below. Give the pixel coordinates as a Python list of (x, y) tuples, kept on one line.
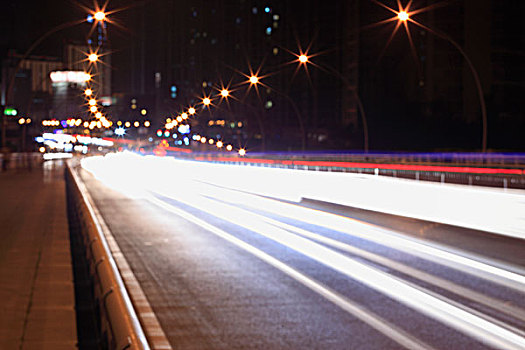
[(389, 88)]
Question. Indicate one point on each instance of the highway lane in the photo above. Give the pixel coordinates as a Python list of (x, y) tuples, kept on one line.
[(226, 269)]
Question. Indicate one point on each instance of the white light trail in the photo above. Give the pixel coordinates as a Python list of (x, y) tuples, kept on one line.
[(177, 172), (403, 292), (368, 317)]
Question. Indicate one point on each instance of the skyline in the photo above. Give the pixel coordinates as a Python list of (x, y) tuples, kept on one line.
[(403, 111)]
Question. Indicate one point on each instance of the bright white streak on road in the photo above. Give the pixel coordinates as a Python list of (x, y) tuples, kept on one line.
[(380, 236), (469, 323), (166, 173), (277, 208), (376, 322), (415, 298), (487, 209)]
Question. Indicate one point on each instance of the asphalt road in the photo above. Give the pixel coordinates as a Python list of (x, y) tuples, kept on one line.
[(224, 269)]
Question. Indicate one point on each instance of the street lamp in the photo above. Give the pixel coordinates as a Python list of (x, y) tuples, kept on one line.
[(225, 93), (88, 92), (93, 57), (403, 16), (99, 16), (304, 59), (254, 79)]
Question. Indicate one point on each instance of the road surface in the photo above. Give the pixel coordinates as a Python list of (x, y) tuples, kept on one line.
[(226, 269)]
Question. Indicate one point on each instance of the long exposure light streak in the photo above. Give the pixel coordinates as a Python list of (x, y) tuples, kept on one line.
[(406, 293), (197, 194)]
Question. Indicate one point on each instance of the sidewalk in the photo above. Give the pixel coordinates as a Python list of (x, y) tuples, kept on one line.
[(36, 276)]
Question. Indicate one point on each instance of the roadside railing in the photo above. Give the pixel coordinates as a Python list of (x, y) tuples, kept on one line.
[(121, 328), (490, 170)]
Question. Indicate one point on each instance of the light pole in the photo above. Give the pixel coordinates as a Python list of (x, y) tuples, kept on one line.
[(403, 16), (254, 80), (304, 59)]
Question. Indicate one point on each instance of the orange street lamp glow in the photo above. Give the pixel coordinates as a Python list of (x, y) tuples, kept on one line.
[(242, 152), (98, 115), (100, 16), (303, 58), (93, 57), (219, 144), (206, 101), (92, 102), (184, 115), (93, 109), (147, 124), (191, 111), (225, 93), (88, 92), (254, 79), (402, 16)]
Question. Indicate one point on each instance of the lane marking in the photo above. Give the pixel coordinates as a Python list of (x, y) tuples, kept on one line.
[(436, 308), (496, 304), (388, 329), (379, 235)]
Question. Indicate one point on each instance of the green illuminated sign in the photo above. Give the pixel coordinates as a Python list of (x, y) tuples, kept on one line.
[(10, 111)]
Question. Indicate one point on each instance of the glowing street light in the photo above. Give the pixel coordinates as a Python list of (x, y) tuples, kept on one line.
[(403, 16), (229, 148), (184, 115), (92, 102), (206, 101), (93, 57), (225, 93), (254, 79), (98, 115), (88, 92), (147, 123), (93, 109), (100, 16), (303, 58), (219, 144), (242, 152), (191, 111)]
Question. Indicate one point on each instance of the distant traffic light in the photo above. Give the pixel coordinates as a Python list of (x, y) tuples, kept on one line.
[(173, 90)]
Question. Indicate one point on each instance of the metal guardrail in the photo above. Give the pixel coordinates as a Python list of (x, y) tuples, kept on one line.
[(498, 170), (119, 322)]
